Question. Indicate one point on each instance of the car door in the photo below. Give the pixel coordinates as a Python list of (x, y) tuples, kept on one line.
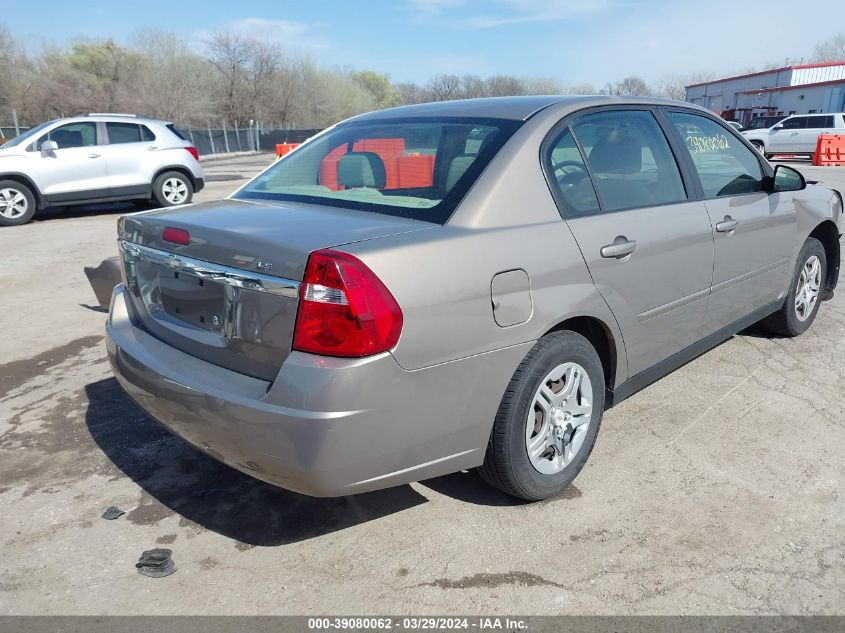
[(785, 137), (77, 169), (128, 151), (754, 230), (648, 247), (809, 135)]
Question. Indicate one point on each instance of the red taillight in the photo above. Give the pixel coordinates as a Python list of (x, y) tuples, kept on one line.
[(176, 236), (344, 309), (194, 152)]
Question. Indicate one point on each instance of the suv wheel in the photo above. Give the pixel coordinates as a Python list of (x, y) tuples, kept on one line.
[(805, 291), (172, 188), (548, 419), (760, 148), (17, 204)]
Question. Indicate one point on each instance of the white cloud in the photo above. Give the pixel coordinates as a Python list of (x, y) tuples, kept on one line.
[(505, 12), (434, 6), (291, 35)]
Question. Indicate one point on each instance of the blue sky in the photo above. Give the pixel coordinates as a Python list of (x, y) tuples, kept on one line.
[(573, 41)]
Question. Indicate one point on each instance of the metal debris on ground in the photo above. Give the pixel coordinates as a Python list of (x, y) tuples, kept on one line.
[(156, 563), (112, 513)]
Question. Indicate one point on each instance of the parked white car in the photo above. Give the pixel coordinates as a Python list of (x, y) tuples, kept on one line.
[(797, 134), (96, 158)]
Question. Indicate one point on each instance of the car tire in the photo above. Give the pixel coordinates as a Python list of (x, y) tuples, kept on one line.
[(172, 188), (17, 203), (799, 310), (568, 367), (759, 147)]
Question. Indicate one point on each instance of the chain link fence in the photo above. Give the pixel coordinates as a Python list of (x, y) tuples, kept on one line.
[(222, 140)]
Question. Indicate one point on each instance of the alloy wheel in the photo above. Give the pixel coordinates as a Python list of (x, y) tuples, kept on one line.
[(13, 204), (175, 191), (808, 288)]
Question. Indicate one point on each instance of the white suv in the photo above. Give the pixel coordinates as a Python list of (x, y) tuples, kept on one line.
[(96, 158), (797, 134)]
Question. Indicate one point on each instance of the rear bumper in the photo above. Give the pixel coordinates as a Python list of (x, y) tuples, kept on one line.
[(325, 426), (199, 184)]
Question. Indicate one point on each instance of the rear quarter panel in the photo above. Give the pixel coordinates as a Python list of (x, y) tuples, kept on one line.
[(442, 278)]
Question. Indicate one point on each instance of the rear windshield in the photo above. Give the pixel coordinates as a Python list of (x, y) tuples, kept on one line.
[(176, 131), (414, 168)]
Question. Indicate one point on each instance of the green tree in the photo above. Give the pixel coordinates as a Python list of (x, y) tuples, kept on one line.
[(384, 94)]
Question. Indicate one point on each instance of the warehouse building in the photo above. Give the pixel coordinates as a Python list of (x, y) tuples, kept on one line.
[(796, 89)]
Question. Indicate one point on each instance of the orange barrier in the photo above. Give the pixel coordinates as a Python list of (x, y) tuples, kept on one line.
[(285, 148), (830, 151)]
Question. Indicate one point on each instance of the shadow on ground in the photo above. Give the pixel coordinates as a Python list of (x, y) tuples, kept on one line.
[(213, 495), (89, 210)]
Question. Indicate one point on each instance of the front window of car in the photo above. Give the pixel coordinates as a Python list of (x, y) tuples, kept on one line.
[(795, 123), (23, 138), (83, 134), (725, 166), (416, 168)]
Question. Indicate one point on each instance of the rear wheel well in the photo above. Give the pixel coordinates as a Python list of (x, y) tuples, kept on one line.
[(182, 170), (39, 200), (601, 339), (828, 235)]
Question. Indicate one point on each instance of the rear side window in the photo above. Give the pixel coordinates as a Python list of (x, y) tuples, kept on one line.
[(630, 159), (816, 122), (128, 133), (176, 131), (570, 177), (724, 165), (71, 135)]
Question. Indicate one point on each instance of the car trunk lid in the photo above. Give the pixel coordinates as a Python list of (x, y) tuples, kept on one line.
[(230, 295)]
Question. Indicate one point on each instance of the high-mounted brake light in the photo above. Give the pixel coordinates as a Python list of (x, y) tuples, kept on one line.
[(194, 152), (344, 309), (176, 236)]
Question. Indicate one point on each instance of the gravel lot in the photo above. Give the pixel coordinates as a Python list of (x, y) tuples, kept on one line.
[(717, 490)]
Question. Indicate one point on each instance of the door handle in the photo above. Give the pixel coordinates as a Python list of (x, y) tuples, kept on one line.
[(93, 155), (727, 225), (151, 149), (621, 247)]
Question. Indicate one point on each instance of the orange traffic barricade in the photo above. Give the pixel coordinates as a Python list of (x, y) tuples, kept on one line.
[(285, 148), (830, 151)]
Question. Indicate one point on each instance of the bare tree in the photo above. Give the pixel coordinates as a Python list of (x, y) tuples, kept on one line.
[(175, 82), (504, 86), (230, 54), (444, 87), (675, 86), (472, 87), (542, 86), (411, 93), (831, 49)]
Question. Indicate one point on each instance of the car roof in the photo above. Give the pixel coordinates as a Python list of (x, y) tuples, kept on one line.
[(515, 108), (117, 118)]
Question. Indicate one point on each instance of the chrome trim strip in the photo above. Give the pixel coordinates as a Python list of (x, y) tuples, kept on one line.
[(235, 277), (672, 305), (723, 285)]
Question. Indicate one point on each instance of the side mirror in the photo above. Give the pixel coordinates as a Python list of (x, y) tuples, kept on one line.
[(48, 148), (777, 127), (787, 179)]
